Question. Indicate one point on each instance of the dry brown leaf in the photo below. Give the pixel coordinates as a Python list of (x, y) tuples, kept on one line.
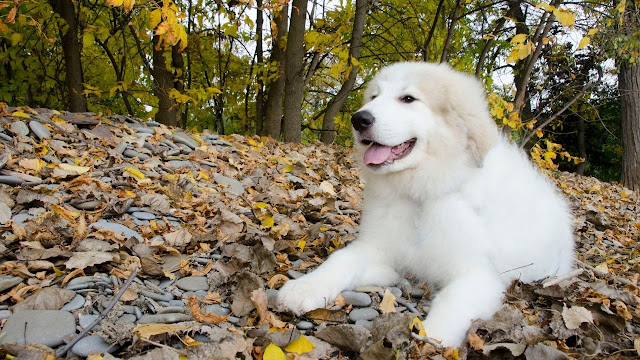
[(212, 298), (276, 279), (259, 298), (81, 260), (622, 310), (71, 275), (16, 269), (387, 303), (337, 316), (129, 295), (340, 301), (197, 314), (475, 341), (148, 330), (178, 239)]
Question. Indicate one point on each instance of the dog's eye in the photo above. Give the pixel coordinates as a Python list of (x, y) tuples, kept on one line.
[(408, 99), (373, 96)]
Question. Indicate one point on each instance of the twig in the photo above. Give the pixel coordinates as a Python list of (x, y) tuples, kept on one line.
[(181, 352), (519, 267), (102, 315), (558, 279), (427, 340)]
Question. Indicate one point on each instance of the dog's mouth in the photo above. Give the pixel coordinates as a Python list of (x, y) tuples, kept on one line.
[(378, 154)]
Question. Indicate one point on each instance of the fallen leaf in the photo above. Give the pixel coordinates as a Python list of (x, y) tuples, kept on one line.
[(340, 301), (421, 330), (212, 298), (386, 305), (299, 346), (50, 298), (147, 330), (576, 315), (81, 260), (196, 312), (259, 298), (475, 341), (321, 314), (273, 352), (178, 239), (276, 279)]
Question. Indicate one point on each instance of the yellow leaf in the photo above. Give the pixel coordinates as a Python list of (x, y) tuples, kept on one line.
[(57, 271), (301, 244), (78, 170), (260, 205), (67, 214), (592, 32), (154, 18), (20, 114), (134, 172), (539, 133), (148, 330), (273, 352), (416, 321), (94, 357), (268, 222), (288, 168), (115, 3), (189, 341), (16, 38), (603, 268), (299, 346), (519, 38), (584, 42), (128, 5), (204, 175), (87, 40), (545, 6), (565, 17)]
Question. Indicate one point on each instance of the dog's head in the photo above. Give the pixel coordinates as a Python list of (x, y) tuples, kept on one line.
[(416, 111)]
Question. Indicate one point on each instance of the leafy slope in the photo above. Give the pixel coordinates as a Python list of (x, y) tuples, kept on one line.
[(109, 194)]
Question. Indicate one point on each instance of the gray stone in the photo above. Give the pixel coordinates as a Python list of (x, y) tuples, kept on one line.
[(305, 325), (135, 154), (47, 327), (158, 297), (86, 320), (369, 289), (363, 322), (217, 309), (395, 291), (11, 180), (117, 228), (356, 298), (120, 148), (417, 292), (39, 129), (163, 318), (272, 298), (233, 184), (20, 128), (176, 303), (126, 318), (5, 314), (76, 303), (143, 215), (193, 283), (363, 314), (185, 139), (294, 274), (176, 164), (92, 344), (9, 281)]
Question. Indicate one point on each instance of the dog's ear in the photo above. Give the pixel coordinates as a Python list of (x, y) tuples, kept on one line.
[(467, 100)]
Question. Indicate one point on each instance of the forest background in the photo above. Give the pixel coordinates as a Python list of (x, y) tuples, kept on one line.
[(562, 77)]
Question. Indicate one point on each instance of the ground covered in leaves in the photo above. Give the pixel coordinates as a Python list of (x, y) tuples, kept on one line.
[(212, 226)]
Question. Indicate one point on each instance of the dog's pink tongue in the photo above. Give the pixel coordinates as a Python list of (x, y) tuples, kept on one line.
[(377, 154)]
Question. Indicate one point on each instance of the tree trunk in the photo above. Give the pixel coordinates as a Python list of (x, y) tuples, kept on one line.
[(582, 149), (273, 110), (162, 84), (177, 63), (335, 104), (259, 60), (452, 24), (71, 50), (294, 73), (629, 88)]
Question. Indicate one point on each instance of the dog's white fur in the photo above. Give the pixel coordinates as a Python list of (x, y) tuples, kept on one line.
[(465, 211)]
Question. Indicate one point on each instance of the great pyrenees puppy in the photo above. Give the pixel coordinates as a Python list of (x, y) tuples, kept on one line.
[(447, 199)]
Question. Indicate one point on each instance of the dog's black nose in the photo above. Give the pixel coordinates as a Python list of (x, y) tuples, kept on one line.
[(362, 120)]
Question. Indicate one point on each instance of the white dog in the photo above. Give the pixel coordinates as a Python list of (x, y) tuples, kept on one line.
[(447, 199)]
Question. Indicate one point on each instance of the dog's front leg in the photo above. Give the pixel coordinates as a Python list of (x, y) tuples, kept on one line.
[(358, 264), (471, 296)]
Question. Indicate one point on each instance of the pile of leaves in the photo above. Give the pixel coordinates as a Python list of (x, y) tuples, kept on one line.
[(250, 213)]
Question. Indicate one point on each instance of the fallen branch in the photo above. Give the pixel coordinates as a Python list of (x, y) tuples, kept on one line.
[(558, 279), (427, 340), (102, 315)]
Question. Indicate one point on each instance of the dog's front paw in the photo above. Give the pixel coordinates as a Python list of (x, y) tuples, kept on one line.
[(301, 295)]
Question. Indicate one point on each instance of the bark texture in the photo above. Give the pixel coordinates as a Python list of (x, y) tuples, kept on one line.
[(629, 88), (259, 60), (335, 104), (162, 84), (273, 110), (294, 73), (71, 49)]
